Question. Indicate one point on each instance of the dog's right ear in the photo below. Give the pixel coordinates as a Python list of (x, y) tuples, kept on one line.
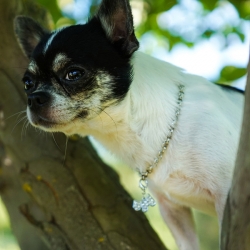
[(29, 33), (117, 22)]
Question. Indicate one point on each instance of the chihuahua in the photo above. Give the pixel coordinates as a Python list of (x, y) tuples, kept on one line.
[(91, 80)]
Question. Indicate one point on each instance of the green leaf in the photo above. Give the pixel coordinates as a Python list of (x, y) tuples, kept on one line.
[(208, 33), (232, 73), (52, 7), (209, 4), (158, 6), (243, 8)]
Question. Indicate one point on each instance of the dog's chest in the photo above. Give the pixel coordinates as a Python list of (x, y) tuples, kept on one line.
[(127, 145)]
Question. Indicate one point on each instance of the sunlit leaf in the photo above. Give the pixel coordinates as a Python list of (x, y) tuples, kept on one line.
[(239, 32), (243, 8), (52, 7), (231, 73), (208, 33), (209, 4), (158, 6), (64, 21)]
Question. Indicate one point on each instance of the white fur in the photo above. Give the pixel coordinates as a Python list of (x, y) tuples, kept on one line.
[(53, 35), (196, 169), (33, 67), (107, 26)]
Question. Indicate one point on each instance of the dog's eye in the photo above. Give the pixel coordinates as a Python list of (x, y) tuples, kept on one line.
[(28, 83), (74, 75)]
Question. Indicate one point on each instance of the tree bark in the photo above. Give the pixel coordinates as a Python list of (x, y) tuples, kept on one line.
[(236, 222), (76, 205)]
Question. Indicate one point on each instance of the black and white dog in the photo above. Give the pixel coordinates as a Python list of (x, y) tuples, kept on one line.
[(89, 80)]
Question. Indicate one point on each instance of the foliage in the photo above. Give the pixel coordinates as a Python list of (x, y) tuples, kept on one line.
[(53, 8), (153, 9), (242, 6), (231, 73)]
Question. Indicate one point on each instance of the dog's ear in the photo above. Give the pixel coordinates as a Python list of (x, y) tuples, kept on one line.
[(29, 33), (117, 21)]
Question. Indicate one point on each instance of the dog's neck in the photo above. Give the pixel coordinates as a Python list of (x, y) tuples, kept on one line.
[(135, 128)]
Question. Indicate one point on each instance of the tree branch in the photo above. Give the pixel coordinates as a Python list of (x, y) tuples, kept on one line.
[(236, 222), (76, 205)]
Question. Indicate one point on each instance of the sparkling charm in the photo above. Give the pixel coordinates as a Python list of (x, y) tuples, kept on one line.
[(147, 200), (136, 205)]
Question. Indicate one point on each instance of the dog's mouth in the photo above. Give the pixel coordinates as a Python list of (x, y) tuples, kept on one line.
[(50, 123), (39, 121)]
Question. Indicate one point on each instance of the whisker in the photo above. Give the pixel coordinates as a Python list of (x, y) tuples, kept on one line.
[(110, 118), (18, 123), (19, 116), (95, 113), (22, 131), (26, 127), (98, 116), (56, 142), (65, 153), (18, 113)]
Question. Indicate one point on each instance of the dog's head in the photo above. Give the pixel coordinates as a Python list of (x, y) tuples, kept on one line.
[(76, 72)]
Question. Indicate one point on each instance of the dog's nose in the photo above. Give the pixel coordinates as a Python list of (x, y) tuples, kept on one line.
[(38, 99)]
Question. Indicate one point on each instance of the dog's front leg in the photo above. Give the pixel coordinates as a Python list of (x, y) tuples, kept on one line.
[(180, 221), (220, 203)]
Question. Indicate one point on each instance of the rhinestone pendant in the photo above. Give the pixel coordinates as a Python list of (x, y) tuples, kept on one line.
[(147, 200)]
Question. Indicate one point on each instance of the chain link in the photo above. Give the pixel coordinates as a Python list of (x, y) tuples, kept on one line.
[(144, 175)]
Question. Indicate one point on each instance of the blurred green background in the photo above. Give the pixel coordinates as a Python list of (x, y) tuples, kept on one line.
[(7, 240), (206, 37)]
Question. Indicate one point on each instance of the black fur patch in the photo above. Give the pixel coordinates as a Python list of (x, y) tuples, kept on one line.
[(28, 33), (87, 46)]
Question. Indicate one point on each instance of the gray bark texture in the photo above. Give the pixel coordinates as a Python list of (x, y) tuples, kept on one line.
[(75, 205), (236, 223)]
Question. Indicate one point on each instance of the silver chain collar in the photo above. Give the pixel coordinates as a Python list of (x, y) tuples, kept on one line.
[(147, 200)]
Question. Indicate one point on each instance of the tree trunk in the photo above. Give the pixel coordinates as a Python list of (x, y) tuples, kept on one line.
[(78, 204), (236, 222)]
